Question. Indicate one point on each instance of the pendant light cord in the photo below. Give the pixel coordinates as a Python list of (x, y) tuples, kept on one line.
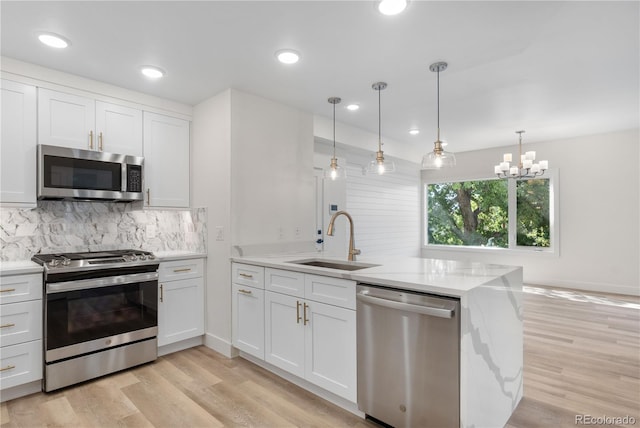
[(379, 122), (334, 130), (438, 102)]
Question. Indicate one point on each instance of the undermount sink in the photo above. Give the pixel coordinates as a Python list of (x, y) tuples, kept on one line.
[(333, 264)]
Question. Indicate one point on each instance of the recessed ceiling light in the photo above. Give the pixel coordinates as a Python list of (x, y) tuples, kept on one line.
[(287, 56), (53, 40), (151, 71), (414, 131), (392, 7), (353, 107)]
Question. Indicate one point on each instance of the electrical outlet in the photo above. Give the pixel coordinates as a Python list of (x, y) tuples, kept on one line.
[(280, 233), (298, 232), (219, 233), (151, 231)]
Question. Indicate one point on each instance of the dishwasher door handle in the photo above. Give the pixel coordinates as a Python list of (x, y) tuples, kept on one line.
[(420, 309)]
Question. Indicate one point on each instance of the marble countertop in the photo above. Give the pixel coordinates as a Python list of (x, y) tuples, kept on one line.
[(166, 256), (445, 277), (19, 267), (23, 267)]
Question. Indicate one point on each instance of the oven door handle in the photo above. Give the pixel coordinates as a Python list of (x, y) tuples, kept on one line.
[(109, 281)]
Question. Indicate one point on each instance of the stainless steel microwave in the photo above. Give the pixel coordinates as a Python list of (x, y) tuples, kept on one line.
[(75, 174)]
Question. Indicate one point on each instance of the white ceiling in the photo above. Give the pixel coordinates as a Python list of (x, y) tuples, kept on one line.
[(556, 69)]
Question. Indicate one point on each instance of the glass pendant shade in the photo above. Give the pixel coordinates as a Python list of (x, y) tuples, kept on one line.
[(335, 171), (438, 158), (433, 160), (380, 166)]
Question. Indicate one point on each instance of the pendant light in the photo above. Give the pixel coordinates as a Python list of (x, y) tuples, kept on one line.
[(525, 167), (438, 158), (379, 165), (335, 171)]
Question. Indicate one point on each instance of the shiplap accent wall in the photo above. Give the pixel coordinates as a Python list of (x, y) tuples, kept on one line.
[(385, 210)]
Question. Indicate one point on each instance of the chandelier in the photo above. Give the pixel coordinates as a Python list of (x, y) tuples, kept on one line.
[(526, 168)]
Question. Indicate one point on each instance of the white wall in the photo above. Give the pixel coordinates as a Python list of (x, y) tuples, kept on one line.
[(385, 209), (273, 188), (252, 168), (599, 224), (211, 188)]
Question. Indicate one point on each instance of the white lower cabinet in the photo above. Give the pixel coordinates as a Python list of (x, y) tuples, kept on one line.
[(180, 301), (284, 332), (247, 329), (330, 349), (20, 330), (308, 337)]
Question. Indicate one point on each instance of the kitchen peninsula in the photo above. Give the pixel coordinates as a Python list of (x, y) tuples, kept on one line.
[(491, 346)]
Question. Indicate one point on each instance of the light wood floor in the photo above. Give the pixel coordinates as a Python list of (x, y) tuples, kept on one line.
[(582, 356)]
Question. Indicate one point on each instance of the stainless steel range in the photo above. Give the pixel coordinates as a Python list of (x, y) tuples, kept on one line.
[(100, 313)]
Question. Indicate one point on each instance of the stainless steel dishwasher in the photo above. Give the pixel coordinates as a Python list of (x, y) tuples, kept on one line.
[(408, 357)]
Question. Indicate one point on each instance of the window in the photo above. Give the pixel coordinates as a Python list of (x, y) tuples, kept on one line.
[(490, 213)]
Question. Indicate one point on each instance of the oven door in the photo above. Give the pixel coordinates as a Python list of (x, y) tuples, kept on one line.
[(88, 315)]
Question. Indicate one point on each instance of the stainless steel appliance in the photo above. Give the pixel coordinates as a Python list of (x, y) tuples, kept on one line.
[(408, 357), (100, 313), (66, 173)]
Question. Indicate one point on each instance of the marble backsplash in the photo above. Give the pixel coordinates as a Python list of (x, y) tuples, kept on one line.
[(60, 226)]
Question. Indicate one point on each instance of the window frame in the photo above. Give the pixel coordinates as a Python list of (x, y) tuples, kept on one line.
[(513, 248)]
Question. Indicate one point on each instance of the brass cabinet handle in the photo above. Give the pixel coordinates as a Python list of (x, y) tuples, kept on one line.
[(148, 196), (7, 368), (100, 141), (246, 275), (91, 140), (7, 325), (182, 270), (298, 318), (245, 291), (305, 314), (161, 293), (7, 290)]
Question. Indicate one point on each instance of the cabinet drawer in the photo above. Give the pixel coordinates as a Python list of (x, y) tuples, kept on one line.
[(20, 322), (20, 288), (284, 281), (20, 364), (333, 291), (181, 269), (250, 275)]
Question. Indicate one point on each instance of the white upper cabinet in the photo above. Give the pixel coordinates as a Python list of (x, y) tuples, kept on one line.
[(166, 161), (119, 129), (83, 123), (18, 149)]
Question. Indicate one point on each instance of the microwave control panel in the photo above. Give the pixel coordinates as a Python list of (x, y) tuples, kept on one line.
[(134, 178)]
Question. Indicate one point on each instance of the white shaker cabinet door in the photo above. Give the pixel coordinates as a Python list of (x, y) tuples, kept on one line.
[(180, 310), (247, 326), (118, 129), (66, 120), (166, 163), (331, 349), (18, 149), (284, 332)]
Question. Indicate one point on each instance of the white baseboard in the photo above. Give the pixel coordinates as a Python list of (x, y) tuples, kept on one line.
[(322, 393), (20, 391), (180, 346), (220, 345), (588, 286)]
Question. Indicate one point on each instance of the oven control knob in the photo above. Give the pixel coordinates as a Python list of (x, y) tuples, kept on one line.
[(66, 262), (54, 262), (151, 257), (131, 258)]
